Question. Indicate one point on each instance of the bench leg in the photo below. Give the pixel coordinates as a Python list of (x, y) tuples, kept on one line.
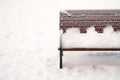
[(61, 54)]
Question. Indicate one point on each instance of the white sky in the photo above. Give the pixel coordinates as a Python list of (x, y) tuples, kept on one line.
[(90, 4), (69, 4)]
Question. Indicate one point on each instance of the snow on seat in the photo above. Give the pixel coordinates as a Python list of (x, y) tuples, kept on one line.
[(89, 30)]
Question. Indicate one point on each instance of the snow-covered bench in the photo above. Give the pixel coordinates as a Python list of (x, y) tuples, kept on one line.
[(95, 37)]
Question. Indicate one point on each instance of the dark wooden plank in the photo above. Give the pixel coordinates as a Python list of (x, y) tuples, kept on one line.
[(91, 12), (90, 18), (90, 49), (83, 29), (88, 23)]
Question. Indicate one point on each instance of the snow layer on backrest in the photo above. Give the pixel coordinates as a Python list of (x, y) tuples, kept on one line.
[(108, 39)]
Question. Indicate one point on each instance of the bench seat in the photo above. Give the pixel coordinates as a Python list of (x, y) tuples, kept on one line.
[(83, 19)]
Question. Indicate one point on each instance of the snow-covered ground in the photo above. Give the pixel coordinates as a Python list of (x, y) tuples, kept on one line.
[(29, 39)]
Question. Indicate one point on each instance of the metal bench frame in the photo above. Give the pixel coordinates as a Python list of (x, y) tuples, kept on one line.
[(85, 18)]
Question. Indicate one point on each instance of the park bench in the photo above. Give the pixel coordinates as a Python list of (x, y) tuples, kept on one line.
[(83, 19)]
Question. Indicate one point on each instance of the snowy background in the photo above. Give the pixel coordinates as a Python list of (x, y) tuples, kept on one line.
[(29, 39)]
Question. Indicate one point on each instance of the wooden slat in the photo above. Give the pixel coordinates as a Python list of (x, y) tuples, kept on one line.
[(92, 12), (83, 29), (88, 23), (90, 49), (90, 18)]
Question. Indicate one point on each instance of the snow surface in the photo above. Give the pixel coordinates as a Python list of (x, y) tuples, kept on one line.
[(29, 39), (74, 39)]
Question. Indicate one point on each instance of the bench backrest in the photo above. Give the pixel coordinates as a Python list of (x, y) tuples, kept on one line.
[(85, 18)]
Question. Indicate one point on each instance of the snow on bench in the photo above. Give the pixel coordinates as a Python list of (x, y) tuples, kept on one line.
[(89, 30)]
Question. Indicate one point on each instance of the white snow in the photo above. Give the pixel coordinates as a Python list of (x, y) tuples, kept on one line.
[(29, 39), (65, 12), (74, 39)]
